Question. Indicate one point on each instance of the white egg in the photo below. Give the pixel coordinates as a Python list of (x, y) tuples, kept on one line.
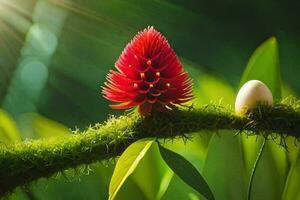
[(251, 94)]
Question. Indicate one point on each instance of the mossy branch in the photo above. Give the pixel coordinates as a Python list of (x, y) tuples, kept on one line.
[(27, 161)]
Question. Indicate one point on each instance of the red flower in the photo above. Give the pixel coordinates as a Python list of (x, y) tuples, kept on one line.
[(149, 75)]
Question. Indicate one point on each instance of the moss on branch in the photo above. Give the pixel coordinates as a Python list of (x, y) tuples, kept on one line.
[(27, 161)]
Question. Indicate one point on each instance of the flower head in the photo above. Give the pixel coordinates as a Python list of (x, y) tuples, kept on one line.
[(149, 75)]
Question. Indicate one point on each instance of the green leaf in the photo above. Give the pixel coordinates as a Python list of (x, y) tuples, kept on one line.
[(186, 171), (165, 182), (224, 168), (8, 129), (291, 190), (264, 66), (208, 85), (152, 169), (127, 163), (46, 128)]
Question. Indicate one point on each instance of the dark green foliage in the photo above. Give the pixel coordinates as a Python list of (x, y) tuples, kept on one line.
[(186, 171), (21, 163)]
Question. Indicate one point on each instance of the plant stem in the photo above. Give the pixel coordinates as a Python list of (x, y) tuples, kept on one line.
[(254, 168)]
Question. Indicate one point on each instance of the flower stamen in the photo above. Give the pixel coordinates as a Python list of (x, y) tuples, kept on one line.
[(149, 62)]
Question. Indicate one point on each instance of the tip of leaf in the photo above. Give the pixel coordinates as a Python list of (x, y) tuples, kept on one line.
[(272, 40)]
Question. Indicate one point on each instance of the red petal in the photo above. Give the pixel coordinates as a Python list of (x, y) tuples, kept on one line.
[(149, 75)]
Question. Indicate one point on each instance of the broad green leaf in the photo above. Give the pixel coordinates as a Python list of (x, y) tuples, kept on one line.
[(127, 163), (193, 150), (213, 89), (291, 190), (46, 128), (152, 169), (186, 171), (177, 189), (131, 190), (264, 66), (8, 129), (164, 184), (224, 168)]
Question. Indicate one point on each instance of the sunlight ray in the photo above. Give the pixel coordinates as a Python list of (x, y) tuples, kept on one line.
[(82, 11)]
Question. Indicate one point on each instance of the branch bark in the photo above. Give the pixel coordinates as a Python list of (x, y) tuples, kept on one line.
[(24, 162)]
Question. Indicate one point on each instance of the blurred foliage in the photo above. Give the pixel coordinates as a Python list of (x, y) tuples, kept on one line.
[(54, 55), (8, 129)]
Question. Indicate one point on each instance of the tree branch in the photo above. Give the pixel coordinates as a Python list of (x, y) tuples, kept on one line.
[(27, 161)]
